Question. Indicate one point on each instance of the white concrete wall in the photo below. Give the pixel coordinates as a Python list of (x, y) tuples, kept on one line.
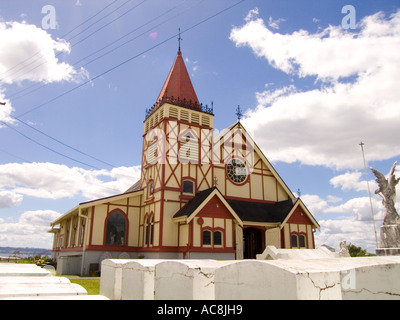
[(138, 279), (308, 279), (111, 278), (186, 279)]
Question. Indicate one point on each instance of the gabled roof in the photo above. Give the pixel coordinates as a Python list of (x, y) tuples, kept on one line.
[(300, 203), (134, 187), (262, 212), (259, 152), (194, 206), (245, 211), (178, 84)]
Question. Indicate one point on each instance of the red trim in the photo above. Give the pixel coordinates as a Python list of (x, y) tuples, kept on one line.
[(78, 249), (299, 217)]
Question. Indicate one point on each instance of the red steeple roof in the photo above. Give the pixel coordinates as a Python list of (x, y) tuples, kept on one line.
[(178, 88)]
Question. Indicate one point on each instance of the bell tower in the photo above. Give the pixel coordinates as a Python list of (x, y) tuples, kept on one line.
[(177, 150)]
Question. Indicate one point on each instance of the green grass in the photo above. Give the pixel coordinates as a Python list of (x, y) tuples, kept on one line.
[(92, 286)]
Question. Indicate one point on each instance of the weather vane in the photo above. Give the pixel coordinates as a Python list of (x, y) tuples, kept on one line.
[(179, 39), (239, 113)]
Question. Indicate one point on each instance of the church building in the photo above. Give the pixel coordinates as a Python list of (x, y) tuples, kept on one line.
[(201, 195)]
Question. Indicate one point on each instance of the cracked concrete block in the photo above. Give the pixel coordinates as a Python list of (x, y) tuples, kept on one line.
[(138, 279), (261, 280), (186, 279), (111, 278), (377, 278)]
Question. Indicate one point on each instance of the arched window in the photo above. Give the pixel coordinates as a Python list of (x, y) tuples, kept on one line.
[(151, 236), (302, 241), (212, 238), (206, 237), (294, 241), (116, 229), (146, 230), (149, 230), (299, 240), (217, 238)]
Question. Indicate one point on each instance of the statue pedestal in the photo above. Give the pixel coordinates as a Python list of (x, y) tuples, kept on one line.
[(390, 241), (388, 252)]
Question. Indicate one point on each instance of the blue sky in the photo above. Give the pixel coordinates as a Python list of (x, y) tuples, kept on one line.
[(310, 90)]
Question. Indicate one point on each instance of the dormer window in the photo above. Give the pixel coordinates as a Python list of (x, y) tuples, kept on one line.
[(188, 187)]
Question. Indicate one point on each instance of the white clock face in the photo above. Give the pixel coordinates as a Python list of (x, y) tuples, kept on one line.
[(236, 170)]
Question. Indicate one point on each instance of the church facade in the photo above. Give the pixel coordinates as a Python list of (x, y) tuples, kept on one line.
[(201, 194)]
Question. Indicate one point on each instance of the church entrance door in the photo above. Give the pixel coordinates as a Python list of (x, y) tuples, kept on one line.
[(253, 242)]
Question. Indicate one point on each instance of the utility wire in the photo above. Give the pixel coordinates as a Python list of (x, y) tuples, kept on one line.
[(17, 95), (37, 164), (94, 32), (48, 148), (126, 61), (40, 51), (92, 79)]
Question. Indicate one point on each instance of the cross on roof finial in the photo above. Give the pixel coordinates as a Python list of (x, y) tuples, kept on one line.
[(239, 113), (179, 40)]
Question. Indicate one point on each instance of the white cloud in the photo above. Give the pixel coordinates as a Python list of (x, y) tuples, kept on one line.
[(359, 233), (5, 110), (29, 231), (360, 209), (354, 99), (54, 181), (275, 23), (315, 203), (29, 53), (9, 199), (352, 181)]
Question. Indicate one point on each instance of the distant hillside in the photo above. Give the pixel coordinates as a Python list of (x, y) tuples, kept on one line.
[(23, 252)]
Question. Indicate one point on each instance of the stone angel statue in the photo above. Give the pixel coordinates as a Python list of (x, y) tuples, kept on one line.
[(387, 190)]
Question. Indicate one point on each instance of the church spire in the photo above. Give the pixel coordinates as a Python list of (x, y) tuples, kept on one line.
[(178, 88)]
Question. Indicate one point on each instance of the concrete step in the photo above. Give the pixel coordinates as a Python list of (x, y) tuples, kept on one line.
[(45, 289), (28, 281), (16, 280), (22, 270)]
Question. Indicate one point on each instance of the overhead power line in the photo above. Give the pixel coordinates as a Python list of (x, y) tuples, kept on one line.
[(48, 148), (126, 61), (94, 32), (47, 51), (92, 79), (18, 94)]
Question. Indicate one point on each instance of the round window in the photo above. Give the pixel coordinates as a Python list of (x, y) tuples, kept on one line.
[(236, 171)]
